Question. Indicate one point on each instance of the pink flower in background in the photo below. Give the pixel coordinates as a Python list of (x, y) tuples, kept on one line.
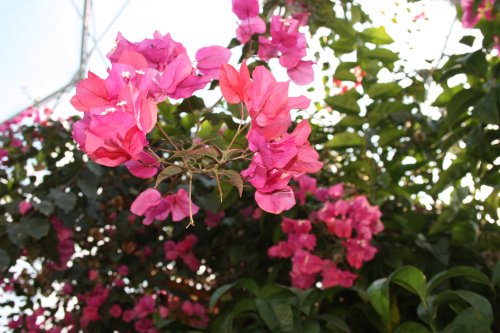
[(213, 219), (196, 312), (210, 59), (24, 207), (144, 307), (307, 185), (332, 276), (115, 311), (183, 250)]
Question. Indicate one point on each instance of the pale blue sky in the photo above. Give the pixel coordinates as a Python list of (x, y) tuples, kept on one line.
[(41, 38)]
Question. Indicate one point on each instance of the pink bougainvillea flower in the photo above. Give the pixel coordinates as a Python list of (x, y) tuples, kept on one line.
[(128, 316), (307, 185), (245, 8), (234, 85), (210, 59), (184, 251), (115, 311), (90, 92), (213, 219), (196, 312), (248, 27), (297, 227), (275, 202), (332, 276), (179, 205), (359, 251), (24, 207), (144, 307), (284, 31), (146, 166), (114, 138), (151, 205), (302, 73)]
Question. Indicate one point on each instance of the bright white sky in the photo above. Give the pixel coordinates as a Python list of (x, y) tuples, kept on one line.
[(41, 39)]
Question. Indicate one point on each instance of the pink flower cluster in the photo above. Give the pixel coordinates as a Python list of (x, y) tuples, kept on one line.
[(183, 250), (278, 155), (250, 24), (194, 313), (24, 207), (93, 300), (286, 43), (65, 243), (153, 206), (141, 313), (39, 322), (470, 17), (305, 265), (120, 110), (354, 222), (289, 45)]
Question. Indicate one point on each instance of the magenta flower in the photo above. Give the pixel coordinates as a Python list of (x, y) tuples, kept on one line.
[(248, 27), (234, 85), (144, 307), (146, 166), (210, 59), (245, 8), (151, 205), (115, 311), (24, 207)]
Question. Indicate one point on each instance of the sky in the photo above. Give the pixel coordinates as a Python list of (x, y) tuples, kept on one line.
[(41, 38)]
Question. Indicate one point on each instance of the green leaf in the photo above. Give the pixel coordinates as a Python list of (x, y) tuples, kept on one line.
[(246, 283), (386, 56), (495, 274), (343, 72), (36, 227), (412, 279), (267, 314), (341, 27), (335, 321), (235, 179), (4, 260), (17, 233), (283, 311), (343, 103), (167, 173), (478, 318), (384, 90), (376, 36), (65, 201), (486, 110), (411, 327), (44, 206), (467, 272), (343, 45), (459, 105), (345, 140), (378, 294)]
